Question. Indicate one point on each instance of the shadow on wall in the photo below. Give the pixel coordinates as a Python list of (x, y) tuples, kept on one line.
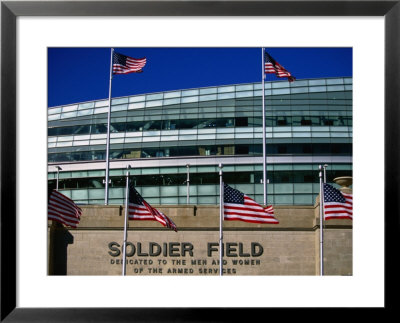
[(60, 238)]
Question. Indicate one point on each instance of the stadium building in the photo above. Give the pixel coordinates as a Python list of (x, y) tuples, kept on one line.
[(171, 137)]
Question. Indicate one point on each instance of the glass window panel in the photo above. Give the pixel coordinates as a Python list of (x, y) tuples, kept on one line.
[(137, 98), (175, 94), (244, 94), (155, 96), (207, 200), (98, 136), (299, 90), (119, 101), (243, 135), (68, 115), (226, 96), (303, 199), (121, 107), (334, 81), (335, 88), (283, 188), (101, 110), (224, 89), (188, 137), (169, 190), (283, 199), (54, 110), (85, 112), (281, 135), (171, 101), (150, 104), (81, 143), (257, 92), (316, 82), (301, 134), (97, 193), (117, 141), (189, 99), (64, 144), (193, 92), (299, 83), (206, 137), (340, 134), (150, 192), (208, 90), (317, 89), (302, 188), (138, 105), (283, 167), (53, 117), (96, 104), (244, 87), (79, 195), (70, 108), (169, 138), (98, 142)]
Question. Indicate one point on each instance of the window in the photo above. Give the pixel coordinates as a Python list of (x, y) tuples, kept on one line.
[(241, 122)]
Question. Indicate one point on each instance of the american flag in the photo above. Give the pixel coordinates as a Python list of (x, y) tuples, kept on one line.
[(62, 209), (139, 209), (271, 66), (238, 206), (124, 64), (337, 205)]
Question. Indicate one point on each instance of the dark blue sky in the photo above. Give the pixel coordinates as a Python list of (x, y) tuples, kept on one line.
[(82, 74)]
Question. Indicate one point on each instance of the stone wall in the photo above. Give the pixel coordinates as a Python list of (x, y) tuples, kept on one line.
[(288, 248)]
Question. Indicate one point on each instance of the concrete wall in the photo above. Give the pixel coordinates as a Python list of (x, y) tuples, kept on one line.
[(288, 248)]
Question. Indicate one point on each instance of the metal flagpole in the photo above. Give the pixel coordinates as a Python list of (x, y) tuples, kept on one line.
[(58, 173), (325, 166), (126, 222), (108, 131), (321, 216), (221, 217), (187, 183), (263, 123)]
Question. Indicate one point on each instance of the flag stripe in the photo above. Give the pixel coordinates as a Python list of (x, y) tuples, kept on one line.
[(337, 205), (145, 212), (124, 64), (273, 67), (240, 207), (62, 209)]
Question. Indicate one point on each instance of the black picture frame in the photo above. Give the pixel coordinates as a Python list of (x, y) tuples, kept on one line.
[(10, 10)]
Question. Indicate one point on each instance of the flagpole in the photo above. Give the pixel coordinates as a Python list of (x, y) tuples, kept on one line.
[(263, 123), (108, 130), (187, 183), (125, 222), (325, 166), (321, 216), (221, 217), (58, 174)]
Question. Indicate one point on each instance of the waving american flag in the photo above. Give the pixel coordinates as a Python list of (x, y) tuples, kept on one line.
[(238, 206), (337, 205), (139, 209)]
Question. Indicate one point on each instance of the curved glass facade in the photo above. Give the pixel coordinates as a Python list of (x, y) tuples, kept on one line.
[(308, 122)]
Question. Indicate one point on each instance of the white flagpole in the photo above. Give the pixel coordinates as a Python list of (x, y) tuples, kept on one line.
[(125, 222), (108, 131), (58, 174), (221, 217), (263, 123), (321, 217), (187, 183)]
